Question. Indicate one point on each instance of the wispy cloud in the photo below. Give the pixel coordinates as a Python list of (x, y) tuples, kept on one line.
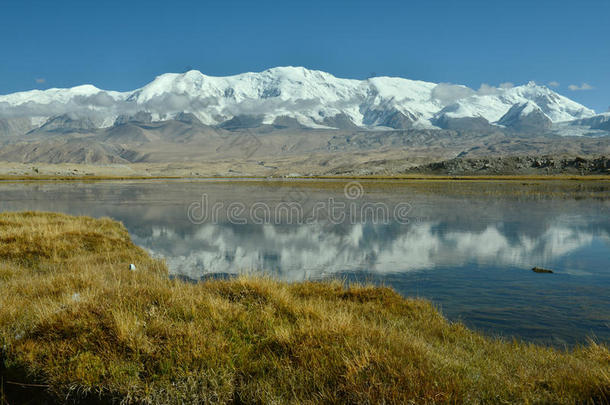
[(448, 93), (554, 84), (485, 90), (40, 80), (584, 86)]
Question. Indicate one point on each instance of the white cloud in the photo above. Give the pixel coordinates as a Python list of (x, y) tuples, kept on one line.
[(40, 80), (448, 93), (584, 86), (554, 84), (310, 251), (486, 90)]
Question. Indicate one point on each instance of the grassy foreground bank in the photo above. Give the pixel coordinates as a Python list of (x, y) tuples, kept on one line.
[(76, 323)]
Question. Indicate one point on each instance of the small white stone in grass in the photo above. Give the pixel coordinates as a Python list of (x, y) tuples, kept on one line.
[(132, 267), (76, 297)]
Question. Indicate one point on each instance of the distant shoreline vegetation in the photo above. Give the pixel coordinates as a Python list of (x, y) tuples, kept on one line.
[(405, 177), (77, 324)]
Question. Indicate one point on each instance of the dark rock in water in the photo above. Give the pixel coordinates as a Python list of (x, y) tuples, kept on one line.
[(541, 270)]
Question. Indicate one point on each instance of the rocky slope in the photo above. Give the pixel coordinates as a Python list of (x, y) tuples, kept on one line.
[(515, 165)]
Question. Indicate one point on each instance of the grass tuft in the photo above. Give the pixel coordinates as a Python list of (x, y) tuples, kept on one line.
[(75, 323)]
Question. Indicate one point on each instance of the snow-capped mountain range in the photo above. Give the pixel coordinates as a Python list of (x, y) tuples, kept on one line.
[(303, 97)]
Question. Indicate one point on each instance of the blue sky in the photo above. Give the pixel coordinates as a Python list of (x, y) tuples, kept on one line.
[(121, 45)]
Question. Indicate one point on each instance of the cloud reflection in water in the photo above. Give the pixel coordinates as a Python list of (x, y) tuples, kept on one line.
[(313, 251)]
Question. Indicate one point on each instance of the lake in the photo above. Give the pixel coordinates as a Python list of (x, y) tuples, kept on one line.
[(468, 246)]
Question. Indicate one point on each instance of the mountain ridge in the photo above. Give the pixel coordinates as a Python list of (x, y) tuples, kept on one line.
[(307, 98)]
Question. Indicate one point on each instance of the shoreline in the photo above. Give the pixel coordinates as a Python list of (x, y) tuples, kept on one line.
[(566, 177), (396, 165), (76, 322)]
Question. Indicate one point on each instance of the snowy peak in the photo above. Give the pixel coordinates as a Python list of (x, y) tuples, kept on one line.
[(596, 122), (307, 98), (521, 110), (282, 82), (55, 95), (492, 103), (557, 107), (526, 116)]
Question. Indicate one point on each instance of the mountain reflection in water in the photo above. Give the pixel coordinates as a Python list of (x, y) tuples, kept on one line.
[(303, 252), (469, 247)]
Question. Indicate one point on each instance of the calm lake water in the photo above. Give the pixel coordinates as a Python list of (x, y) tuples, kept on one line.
[(467, 246)]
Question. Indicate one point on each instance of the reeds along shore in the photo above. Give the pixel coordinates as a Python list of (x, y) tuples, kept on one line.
[(76, 323)]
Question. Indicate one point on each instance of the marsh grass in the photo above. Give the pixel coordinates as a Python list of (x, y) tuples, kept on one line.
[(76, 324)]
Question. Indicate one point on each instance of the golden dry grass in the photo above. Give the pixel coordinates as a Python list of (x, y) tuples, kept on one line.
[(76, 323)]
